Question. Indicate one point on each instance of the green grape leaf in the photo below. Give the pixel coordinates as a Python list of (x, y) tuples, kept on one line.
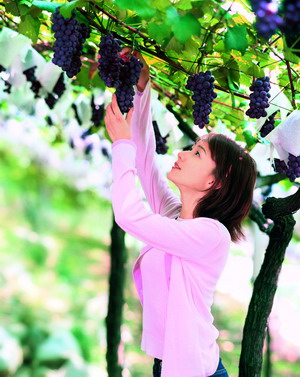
[(220, 46), (221, 75), (160, 4), (254, 70), (289, 55), (141, 7), (249, 138), (185, 27), (133, 20), (12, 8), (46, 5), (30, 27), (234, 72), (172, 16), (159, 32), (236, 39), (191, 48), (178, 77), (66, 9), (25, 2), (174, 45), (184, 4), (17, 9), (209, 48), (232, 85)]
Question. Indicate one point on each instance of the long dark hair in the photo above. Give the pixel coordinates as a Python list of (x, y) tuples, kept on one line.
[(236, 171)]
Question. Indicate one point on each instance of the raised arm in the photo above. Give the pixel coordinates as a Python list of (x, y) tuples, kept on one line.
[(201, 240), (159, 195)]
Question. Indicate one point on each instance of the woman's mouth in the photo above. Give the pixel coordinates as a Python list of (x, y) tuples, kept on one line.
[(176, 166)]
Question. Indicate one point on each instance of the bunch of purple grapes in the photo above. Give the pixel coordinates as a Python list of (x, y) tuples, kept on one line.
[(97, 112), (110, 63), (291, 170), (50, 100), (83, 142), (129, 76), (259, 98), (58, 90), (74, 107), (161, 147), (202, 84), (268, 126), (60, 86), (291, 24), (118, 72), (105, 152), (291, 20), (35, 84), (70, 36), (280, 166), (267, 19), (7, 84)]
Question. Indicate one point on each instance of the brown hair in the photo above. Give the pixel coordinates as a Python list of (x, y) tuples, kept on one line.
[(236, 170)]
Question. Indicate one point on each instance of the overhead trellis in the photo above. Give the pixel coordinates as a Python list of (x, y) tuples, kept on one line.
[(176, 39)]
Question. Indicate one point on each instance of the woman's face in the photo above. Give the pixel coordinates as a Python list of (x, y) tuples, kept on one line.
[(196, 166)]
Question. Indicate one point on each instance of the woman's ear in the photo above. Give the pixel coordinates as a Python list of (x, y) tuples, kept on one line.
[(216, 188)]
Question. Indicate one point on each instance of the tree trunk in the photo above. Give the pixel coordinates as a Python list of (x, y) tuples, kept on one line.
[(116, 299), (261, 302), (268, 364)]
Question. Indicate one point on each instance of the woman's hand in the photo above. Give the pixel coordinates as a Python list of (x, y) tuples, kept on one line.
[(117, 127), (144, 76)]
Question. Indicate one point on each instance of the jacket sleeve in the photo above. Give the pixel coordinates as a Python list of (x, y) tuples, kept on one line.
[(190, 239), (155, 185)]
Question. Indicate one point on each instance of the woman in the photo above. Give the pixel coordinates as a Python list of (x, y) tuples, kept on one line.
[(186, 240)]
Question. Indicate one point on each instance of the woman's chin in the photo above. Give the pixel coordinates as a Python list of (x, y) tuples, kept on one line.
[(168, 175)]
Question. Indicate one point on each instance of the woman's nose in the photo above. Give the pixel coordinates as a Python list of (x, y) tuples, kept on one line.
[(182, 154)]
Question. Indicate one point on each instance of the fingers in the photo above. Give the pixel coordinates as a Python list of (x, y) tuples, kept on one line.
[(129, 115), (109, 110), (114, 105), (125, 50), (107, 114), (139, 56)]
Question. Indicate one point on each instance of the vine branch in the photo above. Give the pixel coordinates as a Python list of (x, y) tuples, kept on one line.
[(136, 31), (292, 84), (274, 208)]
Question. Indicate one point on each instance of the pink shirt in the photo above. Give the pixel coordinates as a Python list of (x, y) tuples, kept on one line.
[(178, 268)]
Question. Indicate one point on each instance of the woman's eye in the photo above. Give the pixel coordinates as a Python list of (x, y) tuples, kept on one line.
[(198, 152)]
